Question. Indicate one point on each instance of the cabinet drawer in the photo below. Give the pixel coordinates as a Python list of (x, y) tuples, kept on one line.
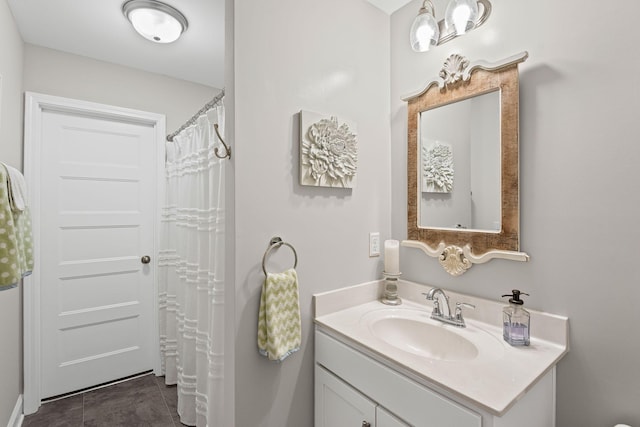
[(415, 403)]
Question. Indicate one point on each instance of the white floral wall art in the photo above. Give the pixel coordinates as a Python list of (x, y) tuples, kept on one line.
[(438, 173), (328, 151)]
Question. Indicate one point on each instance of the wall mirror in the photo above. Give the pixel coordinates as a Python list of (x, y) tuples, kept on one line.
[(460, 165), (463, 164)]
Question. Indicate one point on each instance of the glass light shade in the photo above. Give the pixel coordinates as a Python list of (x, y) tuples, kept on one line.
[(461, 15), (155, 21), (424, 32)]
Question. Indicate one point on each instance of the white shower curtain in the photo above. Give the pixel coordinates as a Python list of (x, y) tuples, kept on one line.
[(191, 272)]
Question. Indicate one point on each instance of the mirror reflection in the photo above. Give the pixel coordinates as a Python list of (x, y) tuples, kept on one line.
[(459, 160)]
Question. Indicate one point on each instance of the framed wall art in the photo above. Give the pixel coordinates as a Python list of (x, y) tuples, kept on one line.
[(328, 151)]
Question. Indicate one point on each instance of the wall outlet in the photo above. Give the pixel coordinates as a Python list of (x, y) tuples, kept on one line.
[(374, 244)]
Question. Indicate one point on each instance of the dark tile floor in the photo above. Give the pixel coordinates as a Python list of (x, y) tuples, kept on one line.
[(143, 401)]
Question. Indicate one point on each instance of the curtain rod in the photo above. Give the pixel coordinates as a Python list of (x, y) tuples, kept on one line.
[(208, 106)]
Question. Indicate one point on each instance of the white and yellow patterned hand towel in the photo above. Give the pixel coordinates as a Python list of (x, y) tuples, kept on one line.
[(17, 189), (279, 327), (16, 251)]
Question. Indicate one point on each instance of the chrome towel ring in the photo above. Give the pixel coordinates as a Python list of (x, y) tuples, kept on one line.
[(275, 243)]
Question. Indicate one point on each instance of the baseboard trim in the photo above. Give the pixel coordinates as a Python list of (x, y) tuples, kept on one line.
[(16, 416)]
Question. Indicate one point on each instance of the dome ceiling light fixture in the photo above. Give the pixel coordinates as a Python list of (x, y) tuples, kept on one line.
[(461, 17), (154, 20)]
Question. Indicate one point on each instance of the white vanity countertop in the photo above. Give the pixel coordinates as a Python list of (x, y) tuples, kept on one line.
[(493, 383)]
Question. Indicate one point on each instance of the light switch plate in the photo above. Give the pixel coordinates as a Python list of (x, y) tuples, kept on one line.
[(374, 244)]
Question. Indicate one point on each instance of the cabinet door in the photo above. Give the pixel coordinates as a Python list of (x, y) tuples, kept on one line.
[(385, 419), (339, 405)]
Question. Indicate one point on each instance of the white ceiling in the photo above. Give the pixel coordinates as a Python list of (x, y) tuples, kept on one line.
[(389, 6), (98, 29)]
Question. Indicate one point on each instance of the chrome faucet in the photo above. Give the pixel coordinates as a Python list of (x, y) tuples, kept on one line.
[(437, 314), (432, 295)]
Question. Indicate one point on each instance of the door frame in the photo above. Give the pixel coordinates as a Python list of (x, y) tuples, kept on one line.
[(35, 105)]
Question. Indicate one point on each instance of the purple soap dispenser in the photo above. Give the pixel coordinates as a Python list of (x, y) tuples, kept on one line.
[(515, 320)]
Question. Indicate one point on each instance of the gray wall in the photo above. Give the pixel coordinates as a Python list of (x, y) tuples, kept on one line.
[(579, 186), (447, 209), (11, 48), (485, 161), (72, 76), (327, 57)]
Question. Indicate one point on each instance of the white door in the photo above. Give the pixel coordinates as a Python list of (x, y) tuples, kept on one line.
[(97, 189)]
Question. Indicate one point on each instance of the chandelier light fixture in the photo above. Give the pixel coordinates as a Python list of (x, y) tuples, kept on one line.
[(154, 20), (460, 17)]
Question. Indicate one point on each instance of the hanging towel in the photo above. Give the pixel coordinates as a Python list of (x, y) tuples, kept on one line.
[(16, 250), (17, 189), (279, 326)]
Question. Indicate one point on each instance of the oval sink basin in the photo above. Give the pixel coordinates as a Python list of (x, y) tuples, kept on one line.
[(424, 339), (413, 331)]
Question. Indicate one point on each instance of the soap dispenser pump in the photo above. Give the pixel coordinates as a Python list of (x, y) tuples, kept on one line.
[(515, 320)]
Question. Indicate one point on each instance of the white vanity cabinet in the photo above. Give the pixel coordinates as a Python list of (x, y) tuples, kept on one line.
[(386, 419), (353, 388), (393, 366), (340, 405)]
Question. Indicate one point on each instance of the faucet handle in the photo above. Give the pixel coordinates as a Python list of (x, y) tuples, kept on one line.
[(436, 304), (436, 308), (459, 306)]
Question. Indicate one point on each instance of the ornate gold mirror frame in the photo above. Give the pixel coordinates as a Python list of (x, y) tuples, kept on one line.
[(458, 249)]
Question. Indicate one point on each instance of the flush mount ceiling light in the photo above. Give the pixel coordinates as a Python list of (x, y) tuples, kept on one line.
[(154, 20), (461, 16)]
